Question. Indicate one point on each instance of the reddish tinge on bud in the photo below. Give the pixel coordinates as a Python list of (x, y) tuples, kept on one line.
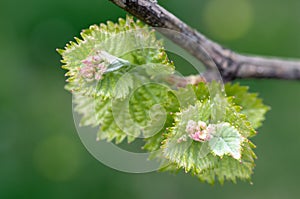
[(93, 68), (198, 131)]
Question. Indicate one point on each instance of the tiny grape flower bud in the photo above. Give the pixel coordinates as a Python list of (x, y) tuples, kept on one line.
[(191, 126), (196, 136), (202, 125), (198, 131), (204, 135), (87, 72), (93, 68)]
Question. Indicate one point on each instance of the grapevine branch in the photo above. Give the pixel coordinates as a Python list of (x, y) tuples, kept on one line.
[(230, 64)]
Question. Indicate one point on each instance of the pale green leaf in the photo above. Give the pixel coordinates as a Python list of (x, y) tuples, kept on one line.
[(225, 140)]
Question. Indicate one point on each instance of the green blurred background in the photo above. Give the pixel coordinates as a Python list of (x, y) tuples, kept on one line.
[(42, 156)]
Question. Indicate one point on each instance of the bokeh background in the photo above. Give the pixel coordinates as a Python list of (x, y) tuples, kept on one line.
[(41, 155)]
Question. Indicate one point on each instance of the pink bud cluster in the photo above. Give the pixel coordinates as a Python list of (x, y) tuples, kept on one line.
[(198, 131), (93, 68)]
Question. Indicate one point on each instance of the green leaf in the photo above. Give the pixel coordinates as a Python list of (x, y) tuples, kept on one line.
[(212, 158), (225, 140), (85, 106), (97, 111), (153, 143), (233, 110), (124, 86), (230, 169), (144, 113), (250, 104), (106, 52), (187, 154)]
